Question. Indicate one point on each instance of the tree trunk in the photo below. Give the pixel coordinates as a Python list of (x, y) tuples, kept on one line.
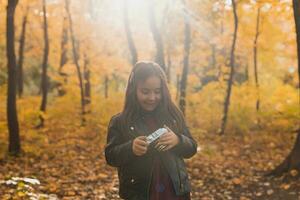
[(63, 56), (255, 58), (21, 55), (159, 58), (229, 84), (106, 87), (185, 70), (14, 146), (87, 83), (75, 57), (131, 45), (292, 161), (63, 47), (44, 82), (296, 7)]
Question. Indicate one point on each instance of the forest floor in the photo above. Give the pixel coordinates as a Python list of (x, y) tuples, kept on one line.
[(72, 166), (68, 160)]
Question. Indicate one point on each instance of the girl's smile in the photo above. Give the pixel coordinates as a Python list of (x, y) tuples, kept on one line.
[(149, 93)]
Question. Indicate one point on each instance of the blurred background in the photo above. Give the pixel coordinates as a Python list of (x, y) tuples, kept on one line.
[(232, 68)]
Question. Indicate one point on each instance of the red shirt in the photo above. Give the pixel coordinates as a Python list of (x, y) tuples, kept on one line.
[(161, 183)]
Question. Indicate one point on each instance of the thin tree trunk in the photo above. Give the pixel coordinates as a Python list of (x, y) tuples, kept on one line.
[(255, 58), (21, 55), (185, 70), (159, 58), (63, 56), (106, 87), (63, 47), (131, 45), (229, 85), (247, 71), (75, 57), (213, 56), (87, 83), (44, 82), (14, 146), (292, 161)]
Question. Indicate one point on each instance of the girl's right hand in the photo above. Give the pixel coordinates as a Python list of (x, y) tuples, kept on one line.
[(139, 145)]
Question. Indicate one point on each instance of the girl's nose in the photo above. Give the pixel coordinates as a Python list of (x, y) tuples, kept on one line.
[(152, 96)]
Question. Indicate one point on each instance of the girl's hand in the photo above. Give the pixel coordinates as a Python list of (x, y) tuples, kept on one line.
[(167, 141), (139, 145)]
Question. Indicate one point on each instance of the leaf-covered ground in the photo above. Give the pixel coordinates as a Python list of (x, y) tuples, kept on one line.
[(68, 159), (72, 166)]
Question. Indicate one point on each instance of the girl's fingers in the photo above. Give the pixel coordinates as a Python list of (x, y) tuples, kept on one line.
[(167, 148), (141, 148), (141, 142), (159, 144), (162, 147), (165, 139), (165, 126)]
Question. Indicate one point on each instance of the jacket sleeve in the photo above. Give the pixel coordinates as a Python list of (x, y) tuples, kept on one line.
[(187, 146), (117, 152)]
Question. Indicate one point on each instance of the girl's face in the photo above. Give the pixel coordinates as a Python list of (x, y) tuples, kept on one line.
[(149, 93)]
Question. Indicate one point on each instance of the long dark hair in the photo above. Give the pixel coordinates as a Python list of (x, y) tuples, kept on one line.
[(166, 112)]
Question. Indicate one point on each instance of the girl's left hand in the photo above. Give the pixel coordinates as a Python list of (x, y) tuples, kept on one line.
[(167, 141)]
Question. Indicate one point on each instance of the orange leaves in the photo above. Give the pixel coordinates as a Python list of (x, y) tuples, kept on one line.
[(285, 186), (237, 181), (294, 172)]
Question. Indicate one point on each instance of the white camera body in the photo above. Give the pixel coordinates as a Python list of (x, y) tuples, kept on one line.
[(155, 135)]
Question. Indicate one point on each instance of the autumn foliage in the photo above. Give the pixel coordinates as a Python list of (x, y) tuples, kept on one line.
[(87, 69)]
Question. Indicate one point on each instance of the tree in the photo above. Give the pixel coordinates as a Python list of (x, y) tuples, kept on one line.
[(21, 54), (45, 79), (63, 47), (230, 80), (12, 118), (255, 57), (185, 70), (76, 58), (292, 161), (87, 82), (131, 45), (106, 86), (159, 58)]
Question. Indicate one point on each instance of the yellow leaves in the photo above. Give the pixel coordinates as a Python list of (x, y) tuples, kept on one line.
[(70, 193), (21, 194), (285, 186), (43, 115), (237, 181), (102, 176), (244, 198), (294, 172), (52, 187), (199, 183)]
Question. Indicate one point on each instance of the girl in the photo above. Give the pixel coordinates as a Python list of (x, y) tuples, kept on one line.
[(149, 172)]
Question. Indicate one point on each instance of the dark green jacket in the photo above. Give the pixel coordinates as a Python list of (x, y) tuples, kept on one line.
[(135, 171)]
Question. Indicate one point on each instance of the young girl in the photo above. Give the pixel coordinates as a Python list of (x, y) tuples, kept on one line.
[(154, 172)]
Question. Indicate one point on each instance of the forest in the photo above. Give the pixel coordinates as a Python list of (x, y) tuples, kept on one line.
[(232, 66)]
